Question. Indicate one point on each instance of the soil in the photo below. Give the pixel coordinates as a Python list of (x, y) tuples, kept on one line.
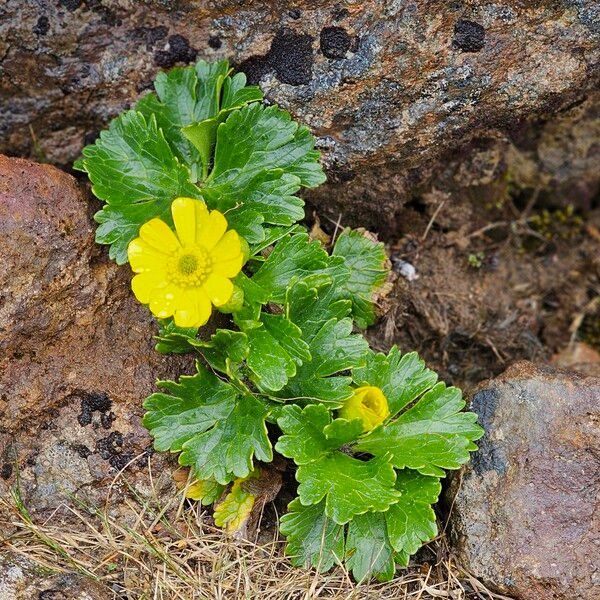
[(495, 283)]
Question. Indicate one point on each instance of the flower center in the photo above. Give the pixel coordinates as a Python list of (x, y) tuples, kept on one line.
[(372, 402), (189, 267), (188, 263)]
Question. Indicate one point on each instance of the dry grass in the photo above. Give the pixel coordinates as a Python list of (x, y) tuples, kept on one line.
[(169, 551)]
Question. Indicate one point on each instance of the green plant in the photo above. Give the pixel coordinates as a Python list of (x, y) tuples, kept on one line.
[(475, 260), (561, 223), (370, 434)]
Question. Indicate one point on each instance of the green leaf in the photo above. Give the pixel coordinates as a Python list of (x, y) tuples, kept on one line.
[(292, 258), (342, 431), (304, 440), (350, 486), (313, 539), (366, 260), (430, 436), (271, 364), (201, 95), (253, 293), (334, 348), (174, 340), (225, 350), (273, 234), (288, 335), (411, 521), (276, 347), (319, 297), (134, 170), (227, 450), (403, 378), (262, 158), (206, 491), (309, 432), (192, 406), (264, 138), (368, 549)]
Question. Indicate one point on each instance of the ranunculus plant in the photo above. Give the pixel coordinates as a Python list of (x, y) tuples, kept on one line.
[(199, 184)]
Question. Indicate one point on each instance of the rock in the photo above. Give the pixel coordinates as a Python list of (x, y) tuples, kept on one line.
[(393, 90), (526, 515), (579, 357), (76, 350), (21, 579)]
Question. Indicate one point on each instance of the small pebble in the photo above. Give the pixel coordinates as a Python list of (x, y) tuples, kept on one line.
[(405, 269)]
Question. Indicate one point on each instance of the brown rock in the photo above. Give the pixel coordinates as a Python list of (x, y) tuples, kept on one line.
[(392, 89), (527, 514), (76, 357)]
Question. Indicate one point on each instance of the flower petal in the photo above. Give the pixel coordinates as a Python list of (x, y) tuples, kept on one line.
[(143, 257), (193, 309), (210, 230), (218, 288), (228, 247), (185, 211), (164, 301), (145, 283), (228, 268), (160, 236)]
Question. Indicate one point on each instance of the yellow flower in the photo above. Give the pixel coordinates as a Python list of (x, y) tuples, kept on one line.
[(183, 275), (368, 404)]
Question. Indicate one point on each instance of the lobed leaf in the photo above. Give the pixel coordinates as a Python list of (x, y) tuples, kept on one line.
[(313, 539), (411, 521), (366, 261), (262, 158), (350, 486), (136, 173), (368, 549), (235, 509), (227, 450), (202, 95), (193, 405)]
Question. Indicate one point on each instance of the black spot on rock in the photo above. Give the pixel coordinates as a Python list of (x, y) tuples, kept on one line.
[(50, 595), (82, 450), (295, 13), (151, 35), (106, 419), (490, 456), (214, 41), (90, 402), (335, 42), (468, 36), (179, 51), (290, 57), (107, 16), (340, 13), (255, 68), (110, 448), (71, 5), (42, 26), (6, 470)]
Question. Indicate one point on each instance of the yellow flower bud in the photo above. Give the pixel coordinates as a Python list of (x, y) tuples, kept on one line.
[(368, 404)]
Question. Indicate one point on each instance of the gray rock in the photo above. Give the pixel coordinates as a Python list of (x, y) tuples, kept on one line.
[(21, 579), (393, 89), (527, 514)]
